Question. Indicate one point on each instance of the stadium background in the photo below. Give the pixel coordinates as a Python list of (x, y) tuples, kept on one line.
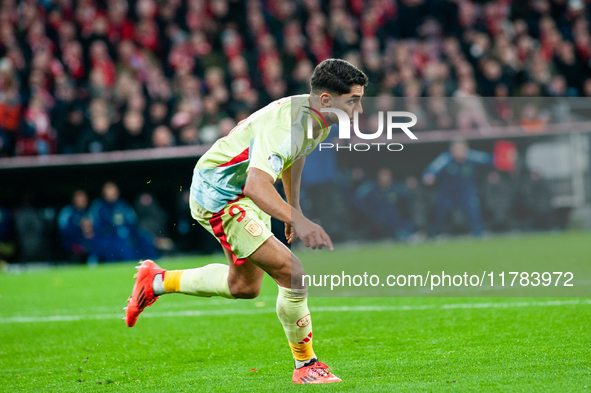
[(133, 92), (72, 71)]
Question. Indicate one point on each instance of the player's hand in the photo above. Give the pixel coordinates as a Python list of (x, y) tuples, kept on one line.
[(311, 234), (290, 233)]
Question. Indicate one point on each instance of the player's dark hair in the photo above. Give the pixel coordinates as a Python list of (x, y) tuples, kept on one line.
[(336, 76)]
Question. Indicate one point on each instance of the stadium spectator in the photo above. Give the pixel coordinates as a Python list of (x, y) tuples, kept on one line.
[(37, 136), (103, 76), (218, 59), (587, 88), (135, 134), (349, 180), (454, 172), (534, 201), (162, 137), (4, 144), (421, 202), (189, 135), (10, 108), (67, 117), (498, 200), (532, 120), (153, 220), (31, 232), (558, 87), (98, 137), (383, 200), (158, 114), (211, 119), (226, 126), (75, 227), (116, 233)]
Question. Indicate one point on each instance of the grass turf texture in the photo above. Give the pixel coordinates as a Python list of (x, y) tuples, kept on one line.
[(61, 330)]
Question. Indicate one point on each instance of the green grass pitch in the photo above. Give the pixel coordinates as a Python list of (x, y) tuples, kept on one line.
[(61, 330)]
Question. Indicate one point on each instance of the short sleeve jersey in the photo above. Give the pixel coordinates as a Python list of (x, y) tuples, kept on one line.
[(270, 139)]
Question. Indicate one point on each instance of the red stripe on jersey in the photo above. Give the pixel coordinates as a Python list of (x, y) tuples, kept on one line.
[(218, 230), (239, 158)]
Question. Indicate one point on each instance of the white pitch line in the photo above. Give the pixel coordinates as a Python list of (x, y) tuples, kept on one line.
[(198, 313)]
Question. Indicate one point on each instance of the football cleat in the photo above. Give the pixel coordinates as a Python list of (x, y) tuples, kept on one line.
[(317, 372), (143, 293)]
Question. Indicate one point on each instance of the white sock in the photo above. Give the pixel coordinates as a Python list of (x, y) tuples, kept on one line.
[(158, 285), (302, 363), (206, 281)]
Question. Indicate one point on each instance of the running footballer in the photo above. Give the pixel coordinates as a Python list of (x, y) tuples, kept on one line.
[(233, 197)]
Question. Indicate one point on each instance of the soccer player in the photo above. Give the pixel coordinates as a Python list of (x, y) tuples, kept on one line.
[(233, 197), (454, 171)]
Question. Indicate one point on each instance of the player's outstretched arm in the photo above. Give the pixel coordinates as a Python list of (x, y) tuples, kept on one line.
[(259, 187)]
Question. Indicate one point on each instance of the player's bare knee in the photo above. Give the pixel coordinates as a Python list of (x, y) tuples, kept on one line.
[(242, 291), (297, 279), (290, 273), (281, 272), (249, 294)]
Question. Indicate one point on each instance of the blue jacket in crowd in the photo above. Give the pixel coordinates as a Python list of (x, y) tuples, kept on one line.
[(116, 235), (456, 184), (70, 230)]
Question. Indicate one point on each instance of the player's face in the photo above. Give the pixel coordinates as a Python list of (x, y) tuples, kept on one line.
[(80, 200), (459, 151), (351, 103), (110, 192)]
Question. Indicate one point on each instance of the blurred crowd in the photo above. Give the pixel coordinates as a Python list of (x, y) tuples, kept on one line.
[(106, 229), (462, 191), (102, 75)]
